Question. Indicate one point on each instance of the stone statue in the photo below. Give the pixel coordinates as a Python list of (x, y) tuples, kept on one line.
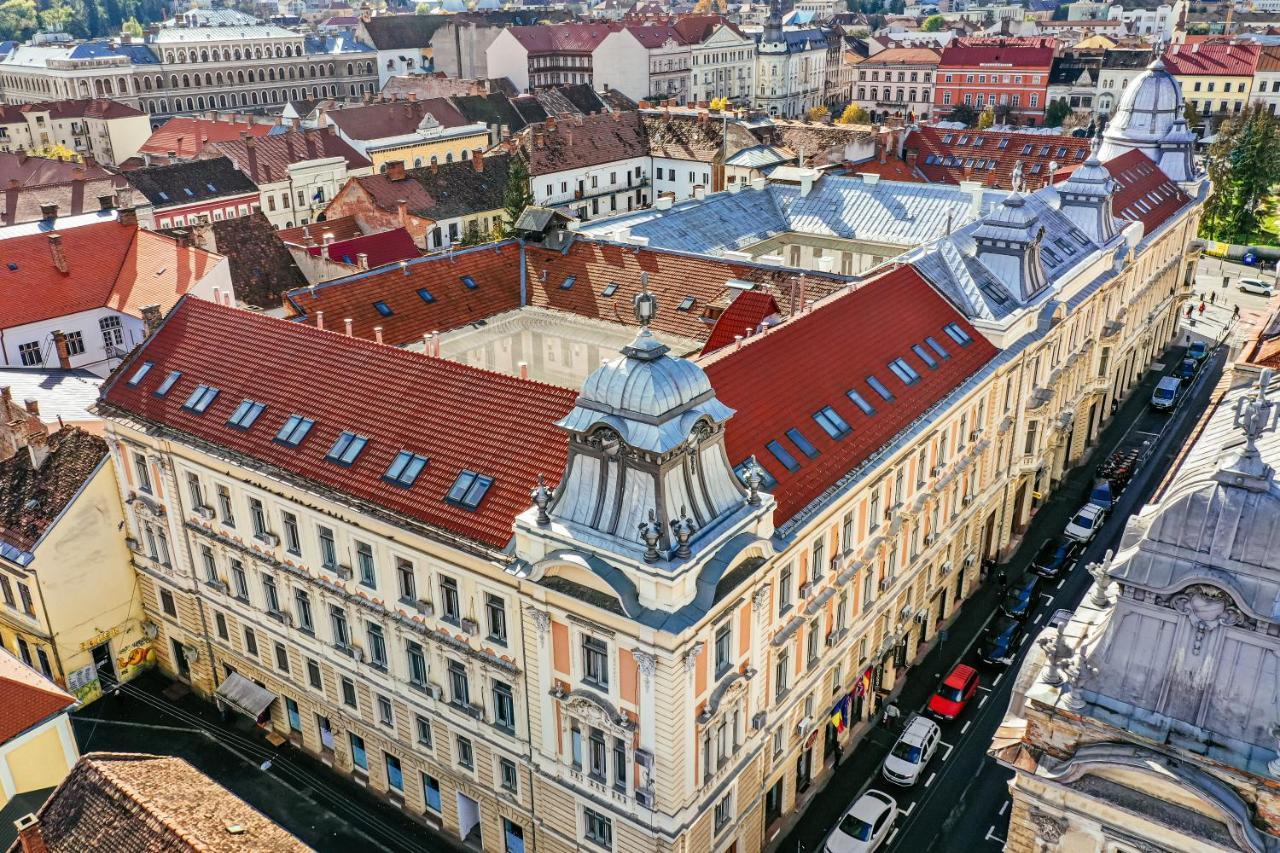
[(1015, 177), (682, 528), (1255, 414), (1101, 571), (753, 476), (542, 495), (1056, 652), (650, 534)]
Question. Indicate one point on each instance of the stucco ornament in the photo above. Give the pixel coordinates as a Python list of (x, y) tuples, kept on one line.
[(1101, 571), (760, 598), (651, 534), (752, 477), (1057, 653), (690, 659), (541, 620), (1208, 608), (646, 663), (1048, 827), (682, 528)]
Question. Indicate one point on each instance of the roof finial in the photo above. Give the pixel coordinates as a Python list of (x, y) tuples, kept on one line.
[(1015, 177), (646, 304), (1255, 414)]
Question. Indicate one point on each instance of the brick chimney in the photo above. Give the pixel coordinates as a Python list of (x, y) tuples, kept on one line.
[(128, 216), (15, 184), (59, 256), (402, 212), (551, 123), (30, 837), (48, 212), (151, 318), (64, 353), (202, 235), (37, 441), (477, 159), (395, 170)]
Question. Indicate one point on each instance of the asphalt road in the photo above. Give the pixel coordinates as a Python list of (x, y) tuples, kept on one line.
[(962, 800)]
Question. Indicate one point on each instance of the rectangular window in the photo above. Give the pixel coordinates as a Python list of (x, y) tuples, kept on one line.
[(466, 756), (780, 674), (859, 401), (250, 642), (724, 654), (338, 622), (359, 757), (139, 373), (30, 355), (507, 774), (282, 658), (377, 645), (831, 422), (431, 793), (195, 490), (469, 489), (346, 448), (496, 612), (405, 579), (168, 383), (167, 604), (143, 471), (224, 506), (258, 517), (395, 774), (245, 414), (459, 687), (782, 455), (504, 706), (597, 828), (405, 468), (595, 662), (328, 550), (879, 388), (386, 714), (239, 579), (784, 590), (220, 622), (292, 542), (313, 675), (302, 608), (295, 429), (802, 443), (364, 561), (957, 334), (200, 399), (271, 594), (924, 356), (417, 663), (349, 693), (449, 599), (904, 371), (7, 590), (422, 726)]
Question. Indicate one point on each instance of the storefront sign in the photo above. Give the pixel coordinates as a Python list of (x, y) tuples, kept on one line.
[(99, 639), (84, 684)]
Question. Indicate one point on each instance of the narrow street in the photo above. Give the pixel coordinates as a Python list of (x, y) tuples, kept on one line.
[(962, 802)]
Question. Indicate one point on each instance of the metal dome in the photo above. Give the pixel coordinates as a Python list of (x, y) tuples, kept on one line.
[(1150, 105)]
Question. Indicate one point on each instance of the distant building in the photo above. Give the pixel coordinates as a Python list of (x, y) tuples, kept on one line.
[(1120, 66), (37, 188), (37, 744), (1074, 79), (1266, 79), (790, 68), (185, 137), (414, 132), (179, 193), (402, 42), (1215, 78), (100, 129), (897, 80), (1010, 75)]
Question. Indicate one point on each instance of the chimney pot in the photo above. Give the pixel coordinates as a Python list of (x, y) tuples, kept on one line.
[(58, 253), (319, 319), (362, 260), (524, 370), (477, 159), (347, 325), (30, 837), (377, 334), (48, 212), (64, 353)]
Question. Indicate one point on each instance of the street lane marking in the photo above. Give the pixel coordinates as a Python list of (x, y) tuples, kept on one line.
[(1037, 619), (991, 836), (997, 679), (1060, 583), (1047, 597), (1004, 807), (965, 727), (982, 701), (929, 781), (908, 810), (946, 754), (889, 840)]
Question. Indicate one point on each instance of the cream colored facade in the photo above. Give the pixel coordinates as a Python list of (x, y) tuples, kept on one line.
[(38, 758), (110, 141)]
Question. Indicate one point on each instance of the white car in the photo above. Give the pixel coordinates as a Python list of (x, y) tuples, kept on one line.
[(865, 826), (1256, 285), (909, 756), (1086, 523)]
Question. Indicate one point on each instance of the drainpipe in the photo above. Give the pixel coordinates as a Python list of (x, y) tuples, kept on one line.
[(524, 273)]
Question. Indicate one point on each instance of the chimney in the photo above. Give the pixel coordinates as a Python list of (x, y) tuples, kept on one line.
[(402, 212), (346, 324), (524, 369), (551, 123), (477, 159), (250, 141), (324, 247), (413, 97), (377, 334), (151, 318), (30, 838), (60, 344), (48, 212), (217, 296), (59, 256), (128, 216), (23, 156), (395, 170), (362, 260), (202, 235), (229, 298), (320, 320), (15, 184)]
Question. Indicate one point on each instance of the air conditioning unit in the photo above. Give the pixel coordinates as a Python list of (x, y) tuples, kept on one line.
[(835, 564), (435, 691), (805, 589), (426, 608), (938, 469), (969, 559), (758, 721), (945, 568), (975, 433), (270, 539), (469, 626), (831, 638), (804, 725), (644, 758), (644, 799), (357, 653), (343, 572), (205, 512)]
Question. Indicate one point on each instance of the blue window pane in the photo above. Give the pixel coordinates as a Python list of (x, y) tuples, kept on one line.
[(358, 756), (382, 308), (469, 489), (469, 282), (957, 334), (798, 439), (425, 295), (405, 468), (141, 372), (568, 282), (834, 425), (168, 382), (246, 413), (294, 430), (937, 347), (860, 402), (200, 399), (904, 371), (878, 387), (346, 448), (923, 355), (780, 453), (610, 289), (685, 304)]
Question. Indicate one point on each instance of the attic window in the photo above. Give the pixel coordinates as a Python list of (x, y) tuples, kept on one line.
[(200, 399), (425, 295), (346, 448), (188, 191), (860, 401), (964, 140), (834, 425), (977, 141), (1066, 247), (1051, 255), (294, 430), (245, 414), (937, 347), (1044, 150), (946, 139), (469, 282), (957, 334), (806, 447), (405, 468), (382, 308), (1080, 154), (610, 289), (924, 356), (782, 455), (1035, 168), (1026, 149), (173, 377), (568, 282), (469, 489), (212, 188), (164, 196), (685, 304), (139, 373), (878, 387), (904, 371), (1062, 152), (1004, 143)]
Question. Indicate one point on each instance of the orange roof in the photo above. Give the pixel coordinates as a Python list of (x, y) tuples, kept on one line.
[(1269, 58), (27, 698), (341, 227), (892, 169), (188, 136), (906, 56)]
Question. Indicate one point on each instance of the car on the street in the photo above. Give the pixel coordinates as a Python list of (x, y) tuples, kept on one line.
[(912, 751), (865, 826), (1020, 599), (1165, 395), (954, 693), (1198, 350), (1256, 286), (1102, 494), (1086, 523), (1186, 369), (1000, 641), (1054, 557)]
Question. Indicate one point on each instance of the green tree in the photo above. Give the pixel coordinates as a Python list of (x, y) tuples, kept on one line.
[(1198, 28), (516, 197), (1245, 172), (17, 18), (933, 24), (131, 27), (986, 118), (964, 114), (854, 114), (1191, 114), (56, 18), (93, 19), (1056, 113)]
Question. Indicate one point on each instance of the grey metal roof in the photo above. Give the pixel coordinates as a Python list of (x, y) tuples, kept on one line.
[(759, 156), (65, 394)]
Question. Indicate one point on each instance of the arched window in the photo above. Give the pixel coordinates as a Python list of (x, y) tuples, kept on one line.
[(122, 86), (191, 104), (350, 69), (182, 56), (208, 79), (417, 162), (291, 72), (448, 157), (146, 83), (106, 87), (204, 56), (218, 78), (253, 96), (240, 77), (223, 100), (173, 81), (200, 102), (313, 71), (271, 74), (257, 53), (237, 54), (186, 82)]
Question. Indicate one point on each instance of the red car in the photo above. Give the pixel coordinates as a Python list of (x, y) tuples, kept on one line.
[(956, 691)]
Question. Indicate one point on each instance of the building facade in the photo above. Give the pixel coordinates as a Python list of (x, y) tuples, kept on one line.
[(104, 130), (1012, 76), (898, 80), (791, 68)]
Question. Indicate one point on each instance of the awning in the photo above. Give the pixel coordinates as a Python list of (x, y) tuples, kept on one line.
[(245, 696)]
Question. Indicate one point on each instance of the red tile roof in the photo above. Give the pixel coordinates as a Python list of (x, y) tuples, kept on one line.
[(459, 417), (188, 136), (27, 698), (905, 56), (268, 158), (393, 118), (1269, 58), (582, 141), (974, 54), (986, 156), (99, 108), (743, 317), (1228, 60), (40, 171), (341, 227), (563, 38), (776, 381), (892, 169), (1145, 193), (32, 499), (110, 265), (382, 248)]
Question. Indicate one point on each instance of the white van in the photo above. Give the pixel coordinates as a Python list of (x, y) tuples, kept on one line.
[(1166, 393)]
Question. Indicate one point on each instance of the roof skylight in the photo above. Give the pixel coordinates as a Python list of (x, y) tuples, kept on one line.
[(903, 371), (957, 334), (924, 355), (685, 304), (346, 448), (246, 413), (469, 489), (806, 446), (139, 373), (860, 402), (610, 289), (469, 282), (425, 295), (830, 420), (405, 468), (937, 347), (383, 308), (168, 383), (568, 282), (783, 455), (200, 399), (878, 387), (294, 430)]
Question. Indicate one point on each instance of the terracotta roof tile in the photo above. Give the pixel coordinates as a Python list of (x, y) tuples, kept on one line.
[(971, 53), (341, 227), (1144, 193), (262, 268), (563, 38), (38, 171), (905, 56), (1228, 60), (188, 136), (459, 417), (385, 247), (30, 499), (445, 191), (268, 158), (393, 118), (99, 108), (27, 698), (892, 169), (744, 317), (943, 155), (776, 381)]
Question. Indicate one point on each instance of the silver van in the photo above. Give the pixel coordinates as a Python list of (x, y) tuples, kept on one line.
[(1166, 393)]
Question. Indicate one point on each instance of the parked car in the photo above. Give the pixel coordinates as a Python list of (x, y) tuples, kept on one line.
[(1000, 641), (954, 693), (1102, 494), (1020, 600), (1186, 370), (865, 825), (1054, 557), (1166, 393), (1198, 350), (1086, 523), (915, 746), (1256, 285)]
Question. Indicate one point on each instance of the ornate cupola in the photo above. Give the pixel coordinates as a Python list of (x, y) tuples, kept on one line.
[(1008, 243), (1085, 198), (647, 484)]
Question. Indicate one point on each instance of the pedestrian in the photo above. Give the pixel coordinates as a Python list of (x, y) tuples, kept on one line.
[(1201, 309), (1189, 312), (891, 716), (1235, 313), (1212, 295), (1002, 580)]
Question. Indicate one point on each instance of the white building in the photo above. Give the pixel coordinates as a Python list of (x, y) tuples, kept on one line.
[(589, 166), (791, 69), (1120, 67), (1158, 24), (723, 64), (108, 131)]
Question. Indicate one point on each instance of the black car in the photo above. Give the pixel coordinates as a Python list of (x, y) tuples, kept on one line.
[(1054, 557), (1000, 641), (1020, 600)]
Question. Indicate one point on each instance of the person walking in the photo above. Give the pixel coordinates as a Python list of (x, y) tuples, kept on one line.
[(1212, 295), (1235, 313), (1201, 309)]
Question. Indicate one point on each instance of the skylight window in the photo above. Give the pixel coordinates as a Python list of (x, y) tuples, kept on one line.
[(860, 402), (923, 355), (878, 387), (168, 383), (164, 196), (1035, 168), (1044, 150), (568, 282), (964, 140), (782, 455), (139, 373), (425, 295), (1066, 247), (469, 282), (211, 188), (957, 334), (246, 413), (834, 425), (937, 347), (383, 308), (200, 399), (1026, 149), (806, 447), (685, 304), (405, 468), (904, 371), (294, 430), (346, 448), (946, 139), (1004, 143), (1080, 154), (610, 289), (1062, 152), (188, 191), (1053, 258), (469, 489)]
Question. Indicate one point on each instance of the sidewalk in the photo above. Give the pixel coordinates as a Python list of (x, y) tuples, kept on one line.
[(863, 760)]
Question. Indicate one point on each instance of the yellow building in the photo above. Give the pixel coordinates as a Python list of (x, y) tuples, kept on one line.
[(416, 133), (68, 594), (37, 746), (1215, 78)]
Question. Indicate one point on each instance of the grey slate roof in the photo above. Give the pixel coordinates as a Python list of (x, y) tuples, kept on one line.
[(190, 182)]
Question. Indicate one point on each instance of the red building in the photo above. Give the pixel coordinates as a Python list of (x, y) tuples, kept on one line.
[(1012, 74)]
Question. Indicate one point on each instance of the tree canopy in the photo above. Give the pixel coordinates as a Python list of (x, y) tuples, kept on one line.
[(516, 197), (933, 24), (1056, 113), (1244, 171), (854, 114)]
